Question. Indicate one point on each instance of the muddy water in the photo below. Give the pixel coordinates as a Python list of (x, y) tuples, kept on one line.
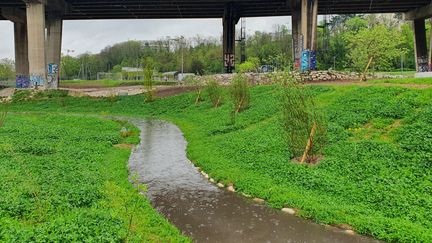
[(203, 211)]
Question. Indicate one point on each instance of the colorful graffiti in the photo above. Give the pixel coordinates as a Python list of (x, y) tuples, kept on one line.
[(52, 75), (313, 60), (305, 58), (36, 80), (22, 82)]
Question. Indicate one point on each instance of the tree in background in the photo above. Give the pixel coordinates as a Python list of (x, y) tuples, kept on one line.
[(379, 45), (148, 84), (7, 69)]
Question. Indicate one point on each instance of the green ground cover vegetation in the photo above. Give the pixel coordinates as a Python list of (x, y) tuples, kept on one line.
[(427, 81), (62, 180), (376, 174)]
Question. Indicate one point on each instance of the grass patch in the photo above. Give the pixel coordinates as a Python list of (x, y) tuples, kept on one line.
[(62, 180), (427, 81), (378, 182)]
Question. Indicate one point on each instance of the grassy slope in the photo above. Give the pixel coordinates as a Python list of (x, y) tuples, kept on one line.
[(376, 175), (61, 180)]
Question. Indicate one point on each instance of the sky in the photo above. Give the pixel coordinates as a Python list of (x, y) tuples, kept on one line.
[(93, 35)]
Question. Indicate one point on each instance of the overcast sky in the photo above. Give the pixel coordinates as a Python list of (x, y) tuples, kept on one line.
[(94, 35)]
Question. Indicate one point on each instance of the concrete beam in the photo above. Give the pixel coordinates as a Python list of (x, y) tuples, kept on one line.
[(14, 14), (419, 13)]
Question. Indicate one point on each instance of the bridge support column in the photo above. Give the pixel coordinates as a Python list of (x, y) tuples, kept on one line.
[(53, 51), (304, 26), (21, 55), (229, 22), (36, 44), (296, 36), (421, 52)]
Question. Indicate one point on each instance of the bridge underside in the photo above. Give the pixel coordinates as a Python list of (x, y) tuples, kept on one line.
[(163, 9), (38, 25)]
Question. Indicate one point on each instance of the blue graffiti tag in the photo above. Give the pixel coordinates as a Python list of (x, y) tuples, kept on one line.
[(22, 82)]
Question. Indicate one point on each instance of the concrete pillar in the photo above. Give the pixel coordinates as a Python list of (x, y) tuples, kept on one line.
[(229, 23), (36, 43), (313, 35), (296, 35), (305, 24), (21, 55), (421, 52), (430, 47), (53, 51), (308, 33)]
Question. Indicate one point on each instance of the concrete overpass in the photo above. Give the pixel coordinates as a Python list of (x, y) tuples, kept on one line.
[(38, 25)]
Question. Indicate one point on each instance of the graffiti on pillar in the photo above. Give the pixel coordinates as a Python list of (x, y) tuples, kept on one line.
[(422, 64), (313, 60), (36, 80), (22, 81), (52, 75), (229, 60), (305, 60)]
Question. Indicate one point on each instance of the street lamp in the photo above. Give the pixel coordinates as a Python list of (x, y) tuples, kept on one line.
[(180, 40)]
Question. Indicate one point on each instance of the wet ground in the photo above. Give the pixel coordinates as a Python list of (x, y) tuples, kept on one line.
[(203, 211)]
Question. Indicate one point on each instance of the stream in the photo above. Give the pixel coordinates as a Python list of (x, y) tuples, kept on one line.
[(205, 212)]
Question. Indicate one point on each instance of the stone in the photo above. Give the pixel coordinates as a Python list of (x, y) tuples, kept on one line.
[(349, 232), (288, 211), (211, 180), (258, 200), (205, 174), (231, 188), (220, 185)]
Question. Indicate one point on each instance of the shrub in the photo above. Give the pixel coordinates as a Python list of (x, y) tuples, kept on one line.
[(215, 92), (21, 95), (301, 120), (193, 81), (4, 108), (148, 84), (240, 93)]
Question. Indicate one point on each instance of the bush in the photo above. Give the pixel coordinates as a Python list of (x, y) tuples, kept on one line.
[(214, 90), (240, 94), (4, 108), (193, 81), (302, 122), (21, 95), (148, 84)]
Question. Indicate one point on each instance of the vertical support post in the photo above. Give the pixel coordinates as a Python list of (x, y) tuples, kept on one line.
[(53, 51), (21, 55), (296, 35), (36, 43), (430, 48), (314, 26), (305, 24), (229, 23), (420, 46)]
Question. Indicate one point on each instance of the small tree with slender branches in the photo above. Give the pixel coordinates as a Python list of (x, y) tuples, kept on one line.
[(302, 121)]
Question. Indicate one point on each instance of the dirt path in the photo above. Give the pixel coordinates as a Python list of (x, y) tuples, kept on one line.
[(161, 91)]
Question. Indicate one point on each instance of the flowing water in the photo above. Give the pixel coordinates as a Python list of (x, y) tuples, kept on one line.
[(205, 212)]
